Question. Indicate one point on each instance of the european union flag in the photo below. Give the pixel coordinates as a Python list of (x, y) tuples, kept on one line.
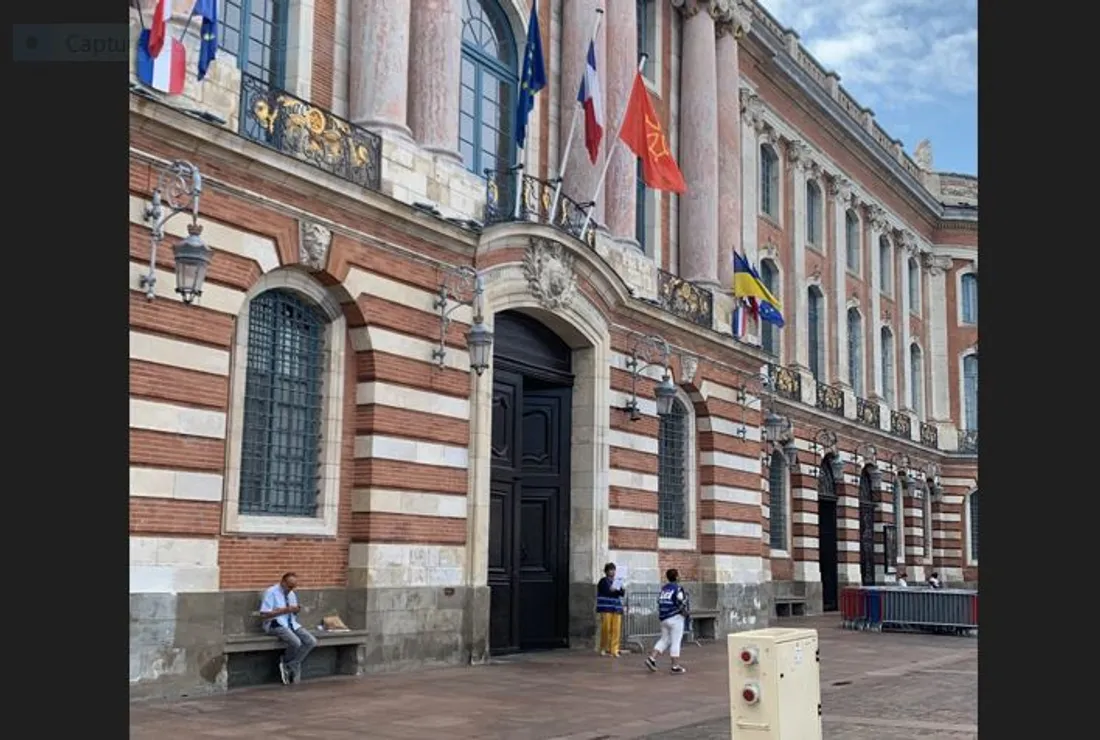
[(208, 33), (533, 78), (748, 284)]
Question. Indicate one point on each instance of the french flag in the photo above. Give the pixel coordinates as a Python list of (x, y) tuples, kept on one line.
[(741, 319), (165, 71), (591, 99)]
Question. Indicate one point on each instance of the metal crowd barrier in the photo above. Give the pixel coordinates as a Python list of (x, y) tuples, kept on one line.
[(885, 607), (641, 625)]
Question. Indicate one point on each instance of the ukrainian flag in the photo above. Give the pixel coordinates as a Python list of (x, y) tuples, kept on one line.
[(747, 284)]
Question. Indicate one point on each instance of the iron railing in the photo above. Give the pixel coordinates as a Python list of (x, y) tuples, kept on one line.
[(868, 412), (685, 299), (901, 425), (786, 382), (297, 128), (968, 440), (536, 200), (929, 435), (830, 399)]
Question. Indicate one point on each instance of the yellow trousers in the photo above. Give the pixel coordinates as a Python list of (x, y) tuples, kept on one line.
[(611, 632)]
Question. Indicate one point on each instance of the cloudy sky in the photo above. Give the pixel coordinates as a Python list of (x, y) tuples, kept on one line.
[(914, 62)]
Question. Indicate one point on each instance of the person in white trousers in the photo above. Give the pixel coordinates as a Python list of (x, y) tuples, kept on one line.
[(672, 610)]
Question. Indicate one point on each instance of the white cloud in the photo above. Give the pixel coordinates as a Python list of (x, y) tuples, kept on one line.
[(890, 52)]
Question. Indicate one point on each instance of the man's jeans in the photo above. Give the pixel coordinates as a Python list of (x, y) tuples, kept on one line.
[(298, 644)]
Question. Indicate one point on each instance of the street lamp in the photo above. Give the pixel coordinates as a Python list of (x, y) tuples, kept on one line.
[(899, 466), (825, 445), (932, 480), (648, 351), (178, 190), (463, 286)]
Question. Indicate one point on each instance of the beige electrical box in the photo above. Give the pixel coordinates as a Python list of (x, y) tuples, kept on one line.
[(775, 685)]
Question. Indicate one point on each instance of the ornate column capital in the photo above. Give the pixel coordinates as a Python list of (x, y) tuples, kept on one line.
[(877, 217), (841, 189), (734, 19), (798, 155), (687, 8), (908, 241), (752, 109), (936, 264)]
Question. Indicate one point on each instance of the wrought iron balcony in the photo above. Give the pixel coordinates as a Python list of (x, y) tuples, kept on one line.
[(786, 382), (901, 425), (536, 200), (868, 412), (968, 441), (830, 399), (299, 129), (929, 435), (685, 299)]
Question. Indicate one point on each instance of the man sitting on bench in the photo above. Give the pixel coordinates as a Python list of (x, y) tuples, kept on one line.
[(278, 610)]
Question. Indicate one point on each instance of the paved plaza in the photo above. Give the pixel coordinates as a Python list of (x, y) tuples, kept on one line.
[(878, 686)]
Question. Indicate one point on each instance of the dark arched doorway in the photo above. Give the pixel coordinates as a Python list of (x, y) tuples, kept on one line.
[(866, 528), (529, 487), (826, 535)]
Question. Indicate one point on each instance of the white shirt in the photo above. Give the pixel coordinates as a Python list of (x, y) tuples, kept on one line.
[(276, 598)]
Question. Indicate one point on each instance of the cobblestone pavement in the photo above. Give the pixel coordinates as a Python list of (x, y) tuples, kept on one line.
[(891, 687)]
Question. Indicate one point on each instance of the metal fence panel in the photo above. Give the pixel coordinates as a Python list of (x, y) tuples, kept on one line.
[(883, 607), (641, 623)]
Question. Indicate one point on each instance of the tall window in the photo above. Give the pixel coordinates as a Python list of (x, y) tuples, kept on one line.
[(916, 379), (280, 448), (855, 351), (973, 511), (814, 214), (255, 32), (885, 266), (489, 77), (769, 333), (969, 291), (970, 392), (815, 322), (769, 181), (851, 241), (672, 472), (646, 11), (914, 286), (888, 366), (899, 518), (777, 501), (929, 541), (640, 207)]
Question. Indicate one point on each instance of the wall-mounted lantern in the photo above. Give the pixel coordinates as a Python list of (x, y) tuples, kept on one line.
[(776, 430), (178, 190), (650, 351), (899, 467), (932, 480), (463, 286), (867, 454), (825, 445)]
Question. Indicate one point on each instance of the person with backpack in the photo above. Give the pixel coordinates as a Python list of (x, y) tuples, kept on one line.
[(673, 610)]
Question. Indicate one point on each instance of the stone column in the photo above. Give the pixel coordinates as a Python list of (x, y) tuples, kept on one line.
[(581, 175), (435, 78), (842, 199), (940, 401), (729, 28), (379, 76), (752, 120), (620, 192), (699, 142), (901, 259), (799, 162), (878, 226)]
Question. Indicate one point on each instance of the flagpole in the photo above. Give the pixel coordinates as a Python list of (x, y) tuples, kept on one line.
[(187, 26), (572, 125), (607, 163)]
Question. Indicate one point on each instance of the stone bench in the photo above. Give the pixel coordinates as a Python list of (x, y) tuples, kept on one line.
[(252, 659), (790, 606)]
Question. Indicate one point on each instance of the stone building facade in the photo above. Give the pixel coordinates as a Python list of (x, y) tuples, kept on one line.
[(312, 411)]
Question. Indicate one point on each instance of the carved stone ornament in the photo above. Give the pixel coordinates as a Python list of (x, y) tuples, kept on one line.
[(908, 242), (841, 189), (314, 241), (689, 365), (853, 300), (877, 216), (719, 9), (886, 315), (742, 19), (798, 154), (549, 272), (936, 264), (687, 8), (752, 109), (769, 251), (922, 155)]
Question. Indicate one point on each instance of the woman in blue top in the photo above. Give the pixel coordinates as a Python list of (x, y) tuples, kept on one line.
[(609, 605), (672, 610)]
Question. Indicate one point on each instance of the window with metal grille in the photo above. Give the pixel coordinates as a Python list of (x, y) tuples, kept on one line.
[(973, 526), (914, 286), (816, 311), (899, 519), (488, 88), (886, 267), (888, 366), (769, 333), (916, 379), (769, 181), (851, 240), (672, 472), (283, 397), (855, 351), (970, 392), (969, 298), (813, 213), (255, 31), (777, 501)]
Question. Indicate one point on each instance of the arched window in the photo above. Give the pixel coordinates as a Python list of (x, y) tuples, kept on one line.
[(673, 475), (777, 501), (280, 464), (855, 351), (914, 286), (916, 379), (969, 289), (489, 77), (899, 518), (888, 366), (973, 526), (885, 266), (851, 241), (815, 308), (814, 214), (769, 333), (769, 181), (260, 29), (970, 392)]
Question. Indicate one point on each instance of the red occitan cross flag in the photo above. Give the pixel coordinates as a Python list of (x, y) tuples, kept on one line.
[(641, 132)]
